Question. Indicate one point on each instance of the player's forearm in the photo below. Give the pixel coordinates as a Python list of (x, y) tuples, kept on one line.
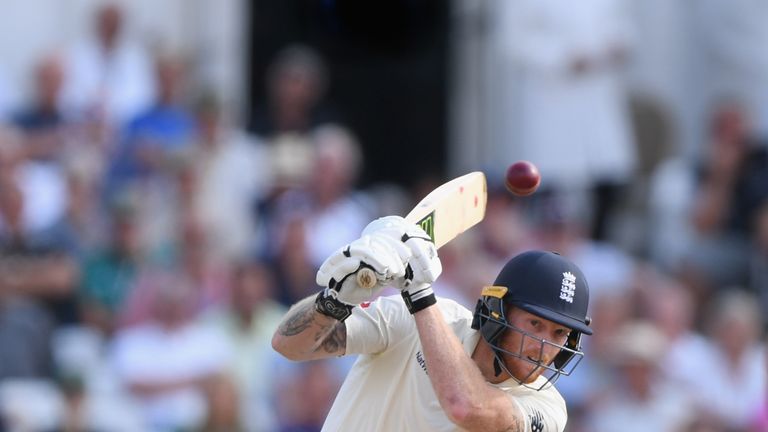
[(463, 392), (305, 334)]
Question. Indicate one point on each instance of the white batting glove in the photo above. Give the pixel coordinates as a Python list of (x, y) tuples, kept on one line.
[(384, 255), (423, 266)]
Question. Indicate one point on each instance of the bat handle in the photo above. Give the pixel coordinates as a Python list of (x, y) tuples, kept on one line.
[(366, 277)]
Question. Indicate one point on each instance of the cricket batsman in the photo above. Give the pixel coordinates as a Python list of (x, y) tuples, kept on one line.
[(428, 364)]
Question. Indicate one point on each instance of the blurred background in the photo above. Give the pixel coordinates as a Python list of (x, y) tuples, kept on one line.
[(173, 172)]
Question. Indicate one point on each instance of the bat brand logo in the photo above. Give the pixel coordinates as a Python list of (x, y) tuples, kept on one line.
[(427, 223)]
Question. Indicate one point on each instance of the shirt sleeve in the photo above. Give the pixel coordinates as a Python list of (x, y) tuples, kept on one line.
[(543, 412), (374, 326)]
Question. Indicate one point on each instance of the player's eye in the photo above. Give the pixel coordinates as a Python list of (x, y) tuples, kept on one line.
[(561, 333), (535, 323)]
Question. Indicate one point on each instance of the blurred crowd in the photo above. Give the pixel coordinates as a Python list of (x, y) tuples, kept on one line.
[(150, 242)]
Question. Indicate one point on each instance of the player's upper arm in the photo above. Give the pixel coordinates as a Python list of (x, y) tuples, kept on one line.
[(374, 326)]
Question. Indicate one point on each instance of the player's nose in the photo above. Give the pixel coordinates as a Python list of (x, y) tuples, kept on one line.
[(541, 352)]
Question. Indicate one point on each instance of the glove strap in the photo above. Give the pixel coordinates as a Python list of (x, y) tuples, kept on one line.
[(418, 300), (328, 305)]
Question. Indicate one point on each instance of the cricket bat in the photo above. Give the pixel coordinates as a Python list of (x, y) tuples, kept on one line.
[(444, 213)]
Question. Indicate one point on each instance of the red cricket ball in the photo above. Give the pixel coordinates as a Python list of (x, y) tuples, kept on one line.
[(522, 178)]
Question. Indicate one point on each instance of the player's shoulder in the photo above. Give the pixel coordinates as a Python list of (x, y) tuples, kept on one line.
[(449, 307), (452, 307), (387, 301)]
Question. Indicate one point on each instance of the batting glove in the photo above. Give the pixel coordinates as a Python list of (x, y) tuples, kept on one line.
[(384, 255), (423, 266)]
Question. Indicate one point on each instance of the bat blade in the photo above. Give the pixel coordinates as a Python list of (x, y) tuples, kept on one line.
[(452, 208), (444, 213)]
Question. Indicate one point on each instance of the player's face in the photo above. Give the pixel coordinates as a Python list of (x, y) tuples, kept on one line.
[(528, 342)]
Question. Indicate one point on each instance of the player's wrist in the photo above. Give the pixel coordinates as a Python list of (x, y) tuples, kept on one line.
[(327, 304), (417, 299)]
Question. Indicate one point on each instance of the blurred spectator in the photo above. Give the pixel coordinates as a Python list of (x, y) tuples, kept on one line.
[(733, 37), (561, 223), (170, 361), (294, 272), (7, 99), (232, 173), (153, 156), (41, 182), (60, 144), (109, 273), (249, 320), (224, 407), (317, 382), (29, 276), (84, 224), (473, 259), (73, 393), (189, 257), (295, 105), (670, 198), (25, 338), (43, 121), (296, 84), (585, 389), (312, 222), (760, 421), (64, 160), (758, 264), (640, 400), (156, 139), (566, 107), (109, 73), (32, 265), (728, 378), (211, 277), (17, 411), (335, 211), (730, 190), (673, 309)]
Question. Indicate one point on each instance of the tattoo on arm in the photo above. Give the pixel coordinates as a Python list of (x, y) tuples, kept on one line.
[(297, 322), (336, 339)]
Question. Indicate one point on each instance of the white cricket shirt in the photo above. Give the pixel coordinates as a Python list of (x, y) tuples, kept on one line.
[(388, 389)]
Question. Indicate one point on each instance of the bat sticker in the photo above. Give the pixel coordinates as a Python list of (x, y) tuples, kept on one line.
[(427, 223)]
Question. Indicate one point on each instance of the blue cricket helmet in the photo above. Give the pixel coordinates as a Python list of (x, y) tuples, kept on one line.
[(547, 285)]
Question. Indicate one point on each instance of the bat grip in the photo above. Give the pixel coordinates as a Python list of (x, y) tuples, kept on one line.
[(366, 277)]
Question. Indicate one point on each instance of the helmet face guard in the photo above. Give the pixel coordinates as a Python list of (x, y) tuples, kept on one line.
[(491, 320)]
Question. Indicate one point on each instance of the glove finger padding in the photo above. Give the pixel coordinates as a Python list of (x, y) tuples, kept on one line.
[(383, 255), (425, 263), (336, 267), (387, 223)]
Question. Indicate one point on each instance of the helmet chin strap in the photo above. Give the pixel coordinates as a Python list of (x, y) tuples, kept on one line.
[(499, 365), (496, 363)]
